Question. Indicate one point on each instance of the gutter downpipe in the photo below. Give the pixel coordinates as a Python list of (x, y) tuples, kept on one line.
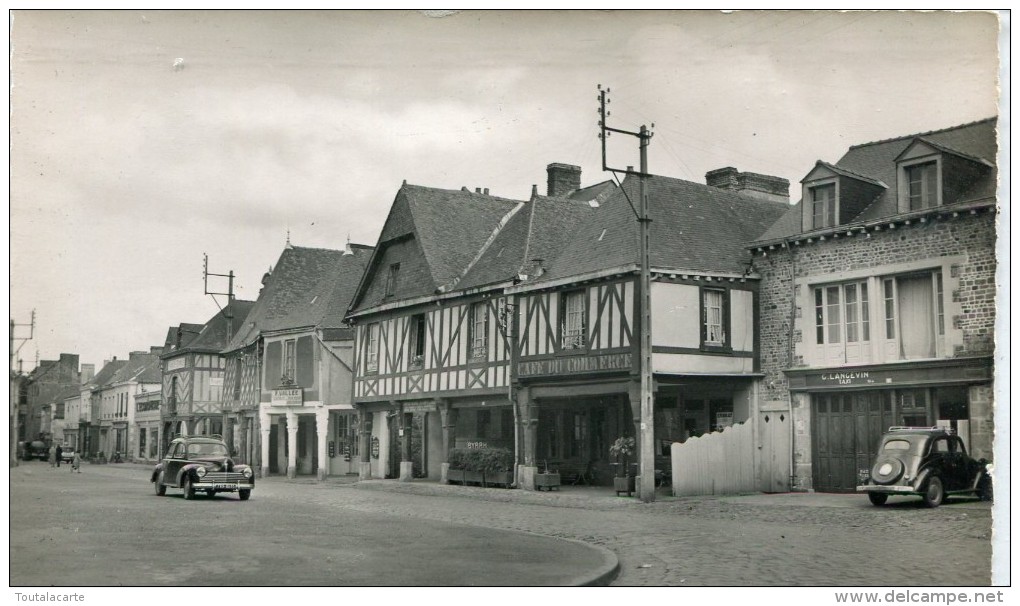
[(789, 361)]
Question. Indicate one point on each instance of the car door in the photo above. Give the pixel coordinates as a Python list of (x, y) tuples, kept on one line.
[(173, 463), (967, 467)]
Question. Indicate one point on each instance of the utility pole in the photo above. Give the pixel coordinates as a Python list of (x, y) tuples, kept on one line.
[(228, 312), (646, 438), (15, 394)]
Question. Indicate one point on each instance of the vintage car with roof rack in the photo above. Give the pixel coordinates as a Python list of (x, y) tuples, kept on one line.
[(928, 461), (202, 463)]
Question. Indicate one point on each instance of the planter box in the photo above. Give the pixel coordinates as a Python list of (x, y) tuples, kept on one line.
[(455, 475), (473, 477), (547, 481), (502, 478), (623, 485)]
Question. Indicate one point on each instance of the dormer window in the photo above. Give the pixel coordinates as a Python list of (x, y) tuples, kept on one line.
[(823, 205), (922, 185)]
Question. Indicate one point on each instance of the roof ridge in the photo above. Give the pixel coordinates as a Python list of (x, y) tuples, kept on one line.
[(463, 190), (295, 247), (923, 134)]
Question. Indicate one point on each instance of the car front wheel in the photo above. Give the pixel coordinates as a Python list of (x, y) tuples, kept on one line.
[(244, 495), (934, 493), (189, 490), (160, 487), (878, 498)]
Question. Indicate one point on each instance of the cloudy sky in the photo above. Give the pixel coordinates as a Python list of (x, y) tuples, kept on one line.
[(142, 139)]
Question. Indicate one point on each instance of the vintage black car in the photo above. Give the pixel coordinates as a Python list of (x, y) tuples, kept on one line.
[(202, 463), (928, 461)]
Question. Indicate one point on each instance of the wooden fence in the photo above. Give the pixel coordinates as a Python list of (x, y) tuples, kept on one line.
[(715, 463)]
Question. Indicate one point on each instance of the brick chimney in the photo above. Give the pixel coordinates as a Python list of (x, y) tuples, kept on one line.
[(87, 372), (763, 187), (563, 179)]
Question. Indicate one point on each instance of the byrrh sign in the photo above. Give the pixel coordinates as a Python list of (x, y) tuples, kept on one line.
[(570, 365)]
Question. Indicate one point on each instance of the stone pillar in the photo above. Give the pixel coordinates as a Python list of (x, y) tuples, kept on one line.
[(242, 446), (982, 421), (292, 429), (228, 432), (322, 435), (264, 426), (406, 465), (365, 446), (448, 419), (190, 424), (529, 428)]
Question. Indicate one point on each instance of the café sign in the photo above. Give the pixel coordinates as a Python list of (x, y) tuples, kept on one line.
[(290, 396), (847, 378), (569, 365)]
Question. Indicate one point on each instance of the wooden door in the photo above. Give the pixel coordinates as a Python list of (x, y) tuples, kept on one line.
[(846, 431), (775, 428)]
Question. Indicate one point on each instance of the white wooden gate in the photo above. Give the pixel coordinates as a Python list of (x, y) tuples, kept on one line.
[(775, 428), (715, 463)]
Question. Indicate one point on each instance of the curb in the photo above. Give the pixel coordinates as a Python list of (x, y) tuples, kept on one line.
[(602, 576)]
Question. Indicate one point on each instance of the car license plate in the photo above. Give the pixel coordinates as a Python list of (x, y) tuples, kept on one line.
[(226, 487)]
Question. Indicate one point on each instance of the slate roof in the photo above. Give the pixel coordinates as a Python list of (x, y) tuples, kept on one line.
[(188, 334), (694, 227), (106, 374), (141, 367), (538, 231), (308, 287), (877, 160), (226, 322), (449, 228)]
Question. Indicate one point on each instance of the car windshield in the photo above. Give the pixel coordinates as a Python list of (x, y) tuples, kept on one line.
[(207, 449)]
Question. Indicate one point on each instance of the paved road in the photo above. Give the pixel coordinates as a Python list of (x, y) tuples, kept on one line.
[(106, 527), (769, 540)]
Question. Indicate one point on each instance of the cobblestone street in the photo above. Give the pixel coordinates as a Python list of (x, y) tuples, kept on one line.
[(761, 540), (735, 541)]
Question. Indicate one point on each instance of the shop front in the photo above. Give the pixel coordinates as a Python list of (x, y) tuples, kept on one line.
[(850, 408)]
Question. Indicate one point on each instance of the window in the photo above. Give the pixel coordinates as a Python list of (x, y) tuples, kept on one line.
[(289, 361), (922, 185), (841, 314), (391, 279), (915, 311), (823, 206), (416, 348), (714, 318), (346, 433), (572, 328), (479, 330), (372, 348)]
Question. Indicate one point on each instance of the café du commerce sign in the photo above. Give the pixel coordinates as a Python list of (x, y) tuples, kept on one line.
[(569, 365)]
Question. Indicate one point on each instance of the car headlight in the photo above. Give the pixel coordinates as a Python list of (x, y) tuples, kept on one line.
[(200, 472), (247, 472)]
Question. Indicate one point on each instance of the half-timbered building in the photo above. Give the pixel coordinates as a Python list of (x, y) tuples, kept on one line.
[(878, 300), (192, 369), (578, 323), (291, 364)]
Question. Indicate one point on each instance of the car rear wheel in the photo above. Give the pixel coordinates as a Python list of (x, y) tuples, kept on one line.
[(160, 487), (934, 494), (189, 490), (244, 495), (878, 498)]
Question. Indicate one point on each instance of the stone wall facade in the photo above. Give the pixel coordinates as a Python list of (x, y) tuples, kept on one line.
[(968, 238)]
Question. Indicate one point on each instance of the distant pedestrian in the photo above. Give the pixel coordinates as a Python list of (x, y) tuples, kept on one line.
[(53, 456), (76, 462), (59, 453)]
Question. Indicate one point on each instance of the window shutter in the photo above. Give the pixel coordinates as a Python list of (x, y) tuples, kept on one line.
[(305, 362), (273, 364)]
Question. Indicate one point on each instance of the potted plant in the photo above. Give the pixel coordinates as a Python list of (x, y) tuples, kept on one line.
[(622, 449), (547, 479)]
